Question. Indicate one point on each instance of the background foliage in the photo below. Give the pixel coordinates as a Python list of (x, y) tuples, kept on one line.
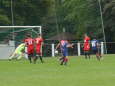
[(76, 16)]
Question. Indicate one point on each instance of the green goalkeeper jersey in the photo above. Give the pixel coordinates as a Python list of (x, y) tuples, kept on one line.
[(20, 48)]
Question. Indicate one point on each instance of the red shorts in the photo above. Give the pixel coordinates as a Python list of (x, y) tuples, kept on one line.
[(38, 50), (30, 50), (86, 47)]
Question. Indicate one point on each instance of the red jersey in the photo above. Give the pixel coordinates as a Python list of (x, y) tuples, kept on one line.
[(38, 45), (30, 45), (86, 40), (38, 41), (86, 43)]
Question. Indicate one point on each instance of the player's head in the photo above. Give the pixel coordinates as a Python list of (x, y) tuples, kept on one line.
[(28, 35), (39, 35), (94, 37), (85, 35)]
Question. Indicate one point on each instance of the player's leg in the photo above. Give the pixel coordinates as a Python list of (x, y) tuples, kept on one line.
[(21, 54), (28, 51), (12, 56), (99, 54), (85, 53), (66, 57), (62, 61), (39, 55), (36, 57), (41, 59), (88, 53), (96, 53), (30, 56), (61, 58), (65, 60)]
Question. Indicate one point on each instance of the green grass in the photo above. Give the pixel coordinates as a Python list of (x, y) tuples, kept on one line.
[(79, 72)]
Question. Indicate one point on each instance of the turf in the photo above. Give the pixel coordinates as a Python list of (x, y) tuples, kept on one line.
[(79, 72)]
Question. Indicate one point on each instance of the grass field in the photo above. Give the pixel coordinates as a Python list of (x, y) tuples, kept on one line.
[(79, 72)]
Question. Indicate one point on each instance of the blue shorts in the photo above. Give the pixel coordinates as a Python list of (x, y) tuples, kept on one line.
[(65, 53), (95, 50)]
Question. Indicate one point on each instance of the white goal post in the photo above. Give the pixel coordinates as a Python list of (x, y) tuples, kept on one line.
[(7, 49), (29, 27)]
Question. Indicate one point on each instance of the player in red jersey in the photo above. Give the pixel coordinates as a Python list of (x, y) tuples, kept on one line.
[(38, 48), (86, 46), (30, 47)]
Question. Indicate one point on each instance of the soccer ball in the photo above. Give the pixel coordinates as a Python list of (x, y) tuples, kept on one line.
[(56, 52)]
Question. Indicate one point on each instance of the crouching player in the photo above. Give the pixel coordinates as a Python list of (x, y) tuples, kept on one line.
[(18, 53), (64, 45), (38, 48)]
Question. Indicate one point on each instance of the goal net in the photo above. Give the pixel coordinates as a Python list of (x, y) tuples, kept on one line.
[(12, 36)]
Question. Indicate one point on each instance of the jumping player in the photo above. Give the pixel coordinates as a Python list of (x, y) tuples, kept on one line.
[(30, 47), (86, 46), (38, 48), (18, 53), (64, 50)]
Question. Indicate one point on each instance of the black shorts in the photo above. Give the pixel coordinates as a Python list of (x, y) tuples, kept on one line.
[(31, 55), (95, 51), (87, 52), (99, 50)]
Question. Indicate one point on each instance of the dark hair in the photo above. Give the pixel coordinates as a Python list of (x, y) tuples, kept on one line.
[(94, 37), (39, 35), (28, 35)]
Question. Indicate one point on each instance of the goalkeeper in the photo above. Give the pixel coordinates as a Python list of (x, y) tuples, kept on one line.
[(19, 52)]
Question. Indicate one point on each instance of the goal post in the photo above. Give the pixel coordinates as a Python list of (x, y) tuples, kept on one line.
[(29, 27), (12, 36)]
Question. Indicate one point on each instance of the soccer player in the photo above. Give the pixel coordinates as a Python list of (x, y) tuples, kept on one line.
[(38, 48), (86, 46), (64, 50), (96, 48), (19, 52), (29, 41)]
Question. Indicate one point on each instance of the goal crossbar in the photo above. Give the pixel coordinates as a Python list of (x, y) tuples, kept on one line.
[(29, 27), (20, 26)]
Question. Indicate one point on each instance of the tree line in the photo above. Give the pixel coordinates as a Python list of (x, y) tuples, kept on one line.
[(76, 16)]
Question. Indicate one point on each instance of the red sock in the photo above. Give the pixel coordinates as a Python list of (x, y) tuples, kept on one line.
[(65, 59)]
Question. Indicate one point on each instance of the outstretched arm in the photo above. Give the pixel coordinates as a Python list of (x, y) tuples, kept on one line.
[(57, 46), (70, 45)]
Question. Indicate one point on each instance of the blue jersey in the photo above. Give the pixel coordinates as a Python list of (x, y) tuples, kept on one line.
[(94, 43), (63, 46)]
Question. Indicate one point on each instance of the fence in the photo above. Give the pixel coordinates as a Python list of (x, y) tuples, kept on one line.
[(77, 50), (49, 49)]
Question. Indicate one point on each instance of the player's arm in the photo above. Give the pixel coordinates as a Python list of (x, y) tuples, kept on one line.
[(25, 41), (70, 45), (98, 44), (41, 48), (58, 46)]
